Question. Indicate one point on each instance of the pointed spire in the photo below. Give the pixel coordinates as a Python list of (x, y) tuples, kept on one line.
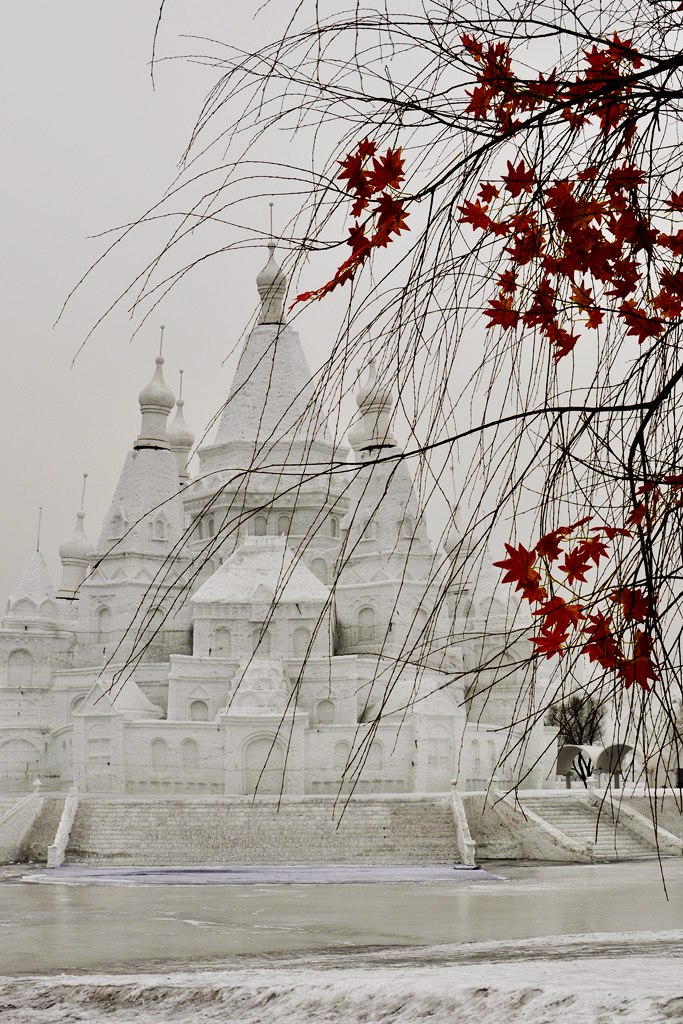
[(181, 437), (156, 402), (372, 427), (272, 287), (33, 588)]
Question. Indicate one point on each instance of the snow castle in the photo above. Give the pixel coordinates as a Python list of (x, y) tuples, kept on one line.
[(271, 626)]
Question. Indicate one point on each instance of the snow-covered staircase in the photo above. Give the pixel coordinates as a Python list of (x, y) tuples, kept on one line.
[(373, 830), (600, 825)]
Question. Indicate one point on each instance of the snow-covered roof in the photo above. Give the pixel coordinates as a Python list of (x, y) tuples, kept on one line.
[(260, 569)]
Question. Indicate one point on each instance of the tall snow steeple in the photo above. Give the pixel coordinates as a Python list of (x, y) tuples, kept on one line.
[(272, 429), (146, 514), (271, 394), (386, 588)]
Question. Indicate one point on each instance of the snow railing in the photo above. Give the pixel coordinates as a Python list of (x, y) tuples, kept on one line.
[(665, 842), (57, 851), (464, 840), (16, 823), (540, 840)]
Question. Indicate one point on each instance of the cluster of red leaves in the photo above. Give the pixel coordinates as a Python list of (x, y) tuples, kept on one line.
[(547, 577), (372, 180), (601, 92), (587, 243)]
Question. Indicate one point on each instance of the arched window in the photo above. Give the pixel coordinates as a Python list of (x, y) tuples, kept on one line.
[(325, 712), (159, 752), (264, 764), (210, 528), (283, 525), (159, 529), (369, 530), (102, 624), (75, 705), (341, 755), (319, 567), (20, 668), (301, 639), (223, 643), (260, 639), (190, 755), (375, 759), (334, 526), (260, 526), (199, 527), (19, 762), (199, 711), (367, 621)]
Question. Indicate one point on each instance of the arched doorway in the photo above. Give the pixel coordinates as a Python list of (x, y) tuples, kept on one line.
[(264, 764)]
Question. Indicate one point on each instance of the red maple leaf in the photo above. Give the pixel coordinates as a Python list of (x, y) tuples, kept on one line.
[(354, 173), (639, 668), (560, 614), (542, 311), (481, 98), (595, 549), (548, 546), (391, 220), (357, 239), (387, 171), (528, 243), (576, 564), (602, 645), (675, 201), (472, 45), (624, 178), (594, 319), (640, 325), (475, 214), (520, 570), (561, 339), (613, 531), (502, 314), (507, 282), (519, 179), (634, 604), (637, 515), (488, 192), (550, 642)]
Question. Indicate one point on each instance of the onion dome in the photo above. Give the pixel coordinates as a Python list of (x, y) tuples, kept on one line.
[(77, 547), (180, 434), (156, 402), (272, 287), (372, 429), (75, 554), (181, 437)]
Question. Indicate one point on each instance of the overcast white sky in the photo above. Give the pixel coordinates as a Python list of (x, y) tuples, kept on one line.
[(89, 145)]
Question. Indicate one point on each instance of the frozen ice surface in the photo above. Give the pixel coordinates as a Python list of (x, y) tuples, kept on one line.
[(543, 945)]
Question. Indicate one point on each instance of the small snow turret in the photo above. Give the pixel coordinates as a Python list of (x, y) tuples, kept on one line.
[(75, 557), (272, 287), (156, 403), (181, 437), (372, 428)]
